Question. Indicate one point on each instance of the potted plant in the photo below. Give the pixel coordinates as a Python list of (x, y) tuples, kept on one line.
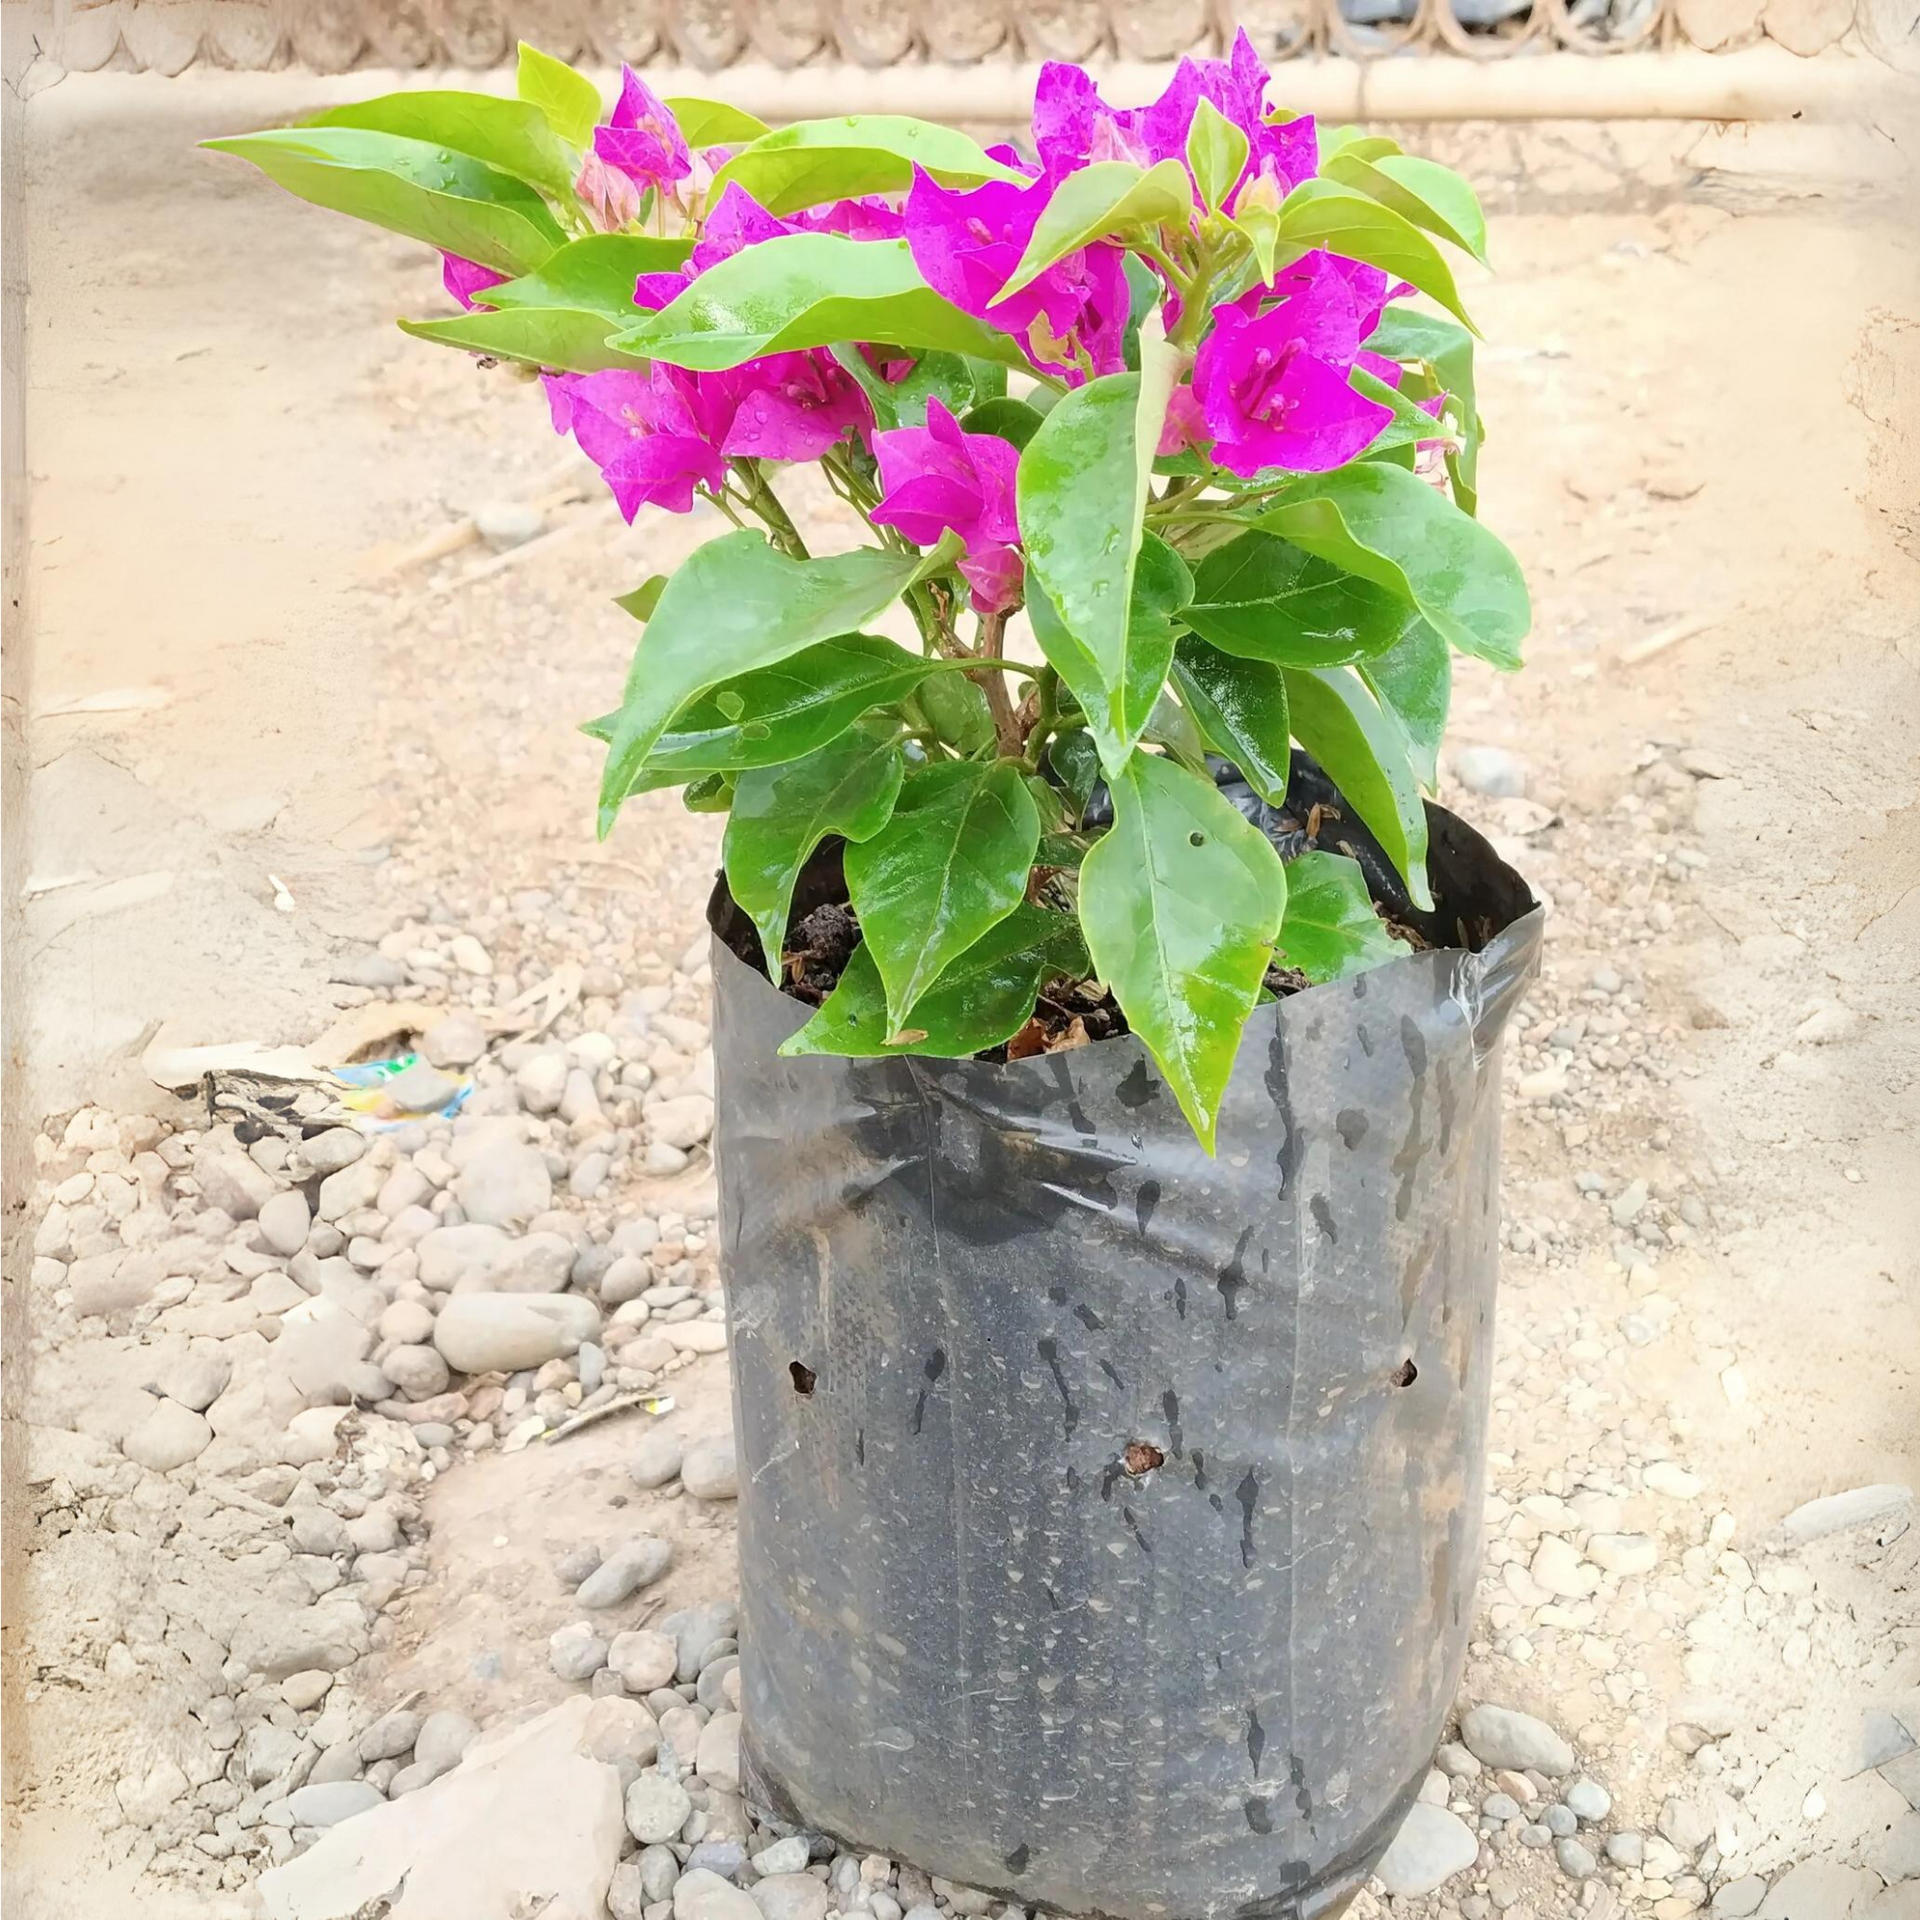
[(1106, 1025)]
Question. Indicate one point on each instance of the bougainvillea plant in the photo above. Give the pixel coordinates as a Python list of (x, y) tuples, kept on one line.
[(1147, 436)]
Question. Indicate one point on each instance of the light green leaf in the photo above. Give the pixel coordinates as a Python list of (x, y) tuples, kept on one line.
[(1393, 529), (810, 290), (957, 711), (813, 161), (1323, 213), (644, 598), (1240, 706), (555, 337), (1364, 146), (513, 135), (1082, 492), (1365, 754), (1410, 424), (780, 814), (430, 193), (734, 605), (1261, 226), (712, 123), (984, 997), (1423, 191), (1108, 197), (1261, 598), (949, 864), (711, 793), (1216, 154), (1413, 680), (1180, 901), (1012, 420), (953, 378), (1447, 350), (594, 275), (1331, 929), (570, 101)]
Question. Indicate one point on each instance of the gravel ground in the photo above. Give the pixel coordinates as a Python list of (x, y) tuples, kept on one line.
[(304, 1549)]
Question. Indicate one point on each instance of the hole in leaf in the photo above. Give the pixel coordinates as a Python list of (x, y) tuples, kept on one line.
[(803, 1377), (730, 704), (1196, 839), (755, 730), (1406, 1374)]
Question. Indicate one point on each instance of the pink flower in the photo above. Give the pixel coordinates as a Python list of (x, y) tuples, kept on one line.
[(1072, 125), (612, 200), (465, 278), (940, 479), (641, 139), (1273, 387), (967, 242)]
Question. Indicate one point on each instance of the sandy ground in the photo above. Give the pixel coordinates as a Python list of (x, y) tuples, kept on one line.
[(1702, 345)]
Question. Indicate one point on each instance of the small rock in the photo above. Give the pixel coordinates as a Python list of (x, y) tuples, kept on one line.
[(576, 1652), (1626, 1554), (419, 1372), (504, 1184), (1672, 1481), (307, 1689), (791, 1896), (784, 1856), (1431, 1847), (1588, 1800), (627, 1893), (701, 1895), (443, 1738), (1500, 1737), (1628, 1204), (458, 1040), (1558, 1568), (644, 1660), (168, 1437), (682, 1122), (709, 1471), (657, 1809), (233, 1183), (1456, 1762), (625, 1571), (1739, 1898), (655, 1458), (623, 1734), (420, 1088), (330, 1803), (1576, 1861), (1875, 1507), (717, 1759), (469, 955), (285, 1221), (508, 523), (510, 1332), (1626, 1849), (390, 1736), (200, 1377), (694, 1336), (1492, 771)]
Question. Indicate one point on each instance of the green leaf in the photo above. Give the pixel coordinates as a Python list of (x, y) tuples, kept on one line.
[(984, 997), (779, 713), (1110, 196), (1393, 529), (1076, 760), (1261, 226), (734, 605), (513, 135), (1216, 154), (1240, 706), (813, 161), (956, 380), (1323, 213), (570, 101), (1180, 902), (1331, 929), (1410, 424), (1365, 146), (957, 711), (1413, 680), (1081, 493), (1012, 420), (644, 598), (1447, 349), (1262, 599), (1423, 191), (556, 337), (780, 814), (810, 290), (949, 864), (711, 793), (712, 123), (429, 193), (1365, 754), (594, 275)]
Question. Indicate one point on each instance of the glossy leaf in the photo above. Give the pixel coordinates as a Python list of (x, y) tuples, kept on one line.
[(1107, 198), (1393, 529), (712, 123), (429, 193), (949, 864), (957, 711), (1076, 761), (569, 100), (782, 712), (710, 793), (734, 605), (814, 161), (1012, 420), (1428, 194), (984, 997), (1082, 492), (780, 814), (1240, 707), (1180, 901), (1260, 598), (1331, 929), (1365, 754), (644, 598), (1413, 680), (594, 275), (1411, 424), (1216, 154), (1323, 213), (810, 290), (956, 380), (513, 135), (560, 338), (1447, 349)]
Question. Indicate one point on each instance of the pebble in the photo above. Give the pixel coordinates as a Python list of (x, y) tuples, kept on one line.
[(784, 1856), (504, 1184), (1576, 1861), (681, 1123), (1626, 1554), (1501, 1737), (443, 1740), (1430, 1848), (655, 1458), (1672, 1481), (701, 1895), (625, 1571), (1626, 1849), (1588, 1800), (390, 1736), (576, 1652), (1842, 1512), (657, 1809), (1738, 1899), (170, 1436), (695, 1336), (1491, 771), (285, 1220), (645, 1660), (717, 1758), (508, 1332), (709, 1471), (508, 523), (327, 1804), (791, 1896)]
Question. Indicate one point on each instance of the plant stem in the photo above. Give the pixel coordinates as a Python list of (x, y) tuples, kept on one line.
[(1046, 708), (763, 501), (993, 631)]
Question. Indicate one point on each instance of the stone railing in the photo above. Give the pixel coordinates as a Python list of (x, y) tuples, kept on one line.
[(166, 36)]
